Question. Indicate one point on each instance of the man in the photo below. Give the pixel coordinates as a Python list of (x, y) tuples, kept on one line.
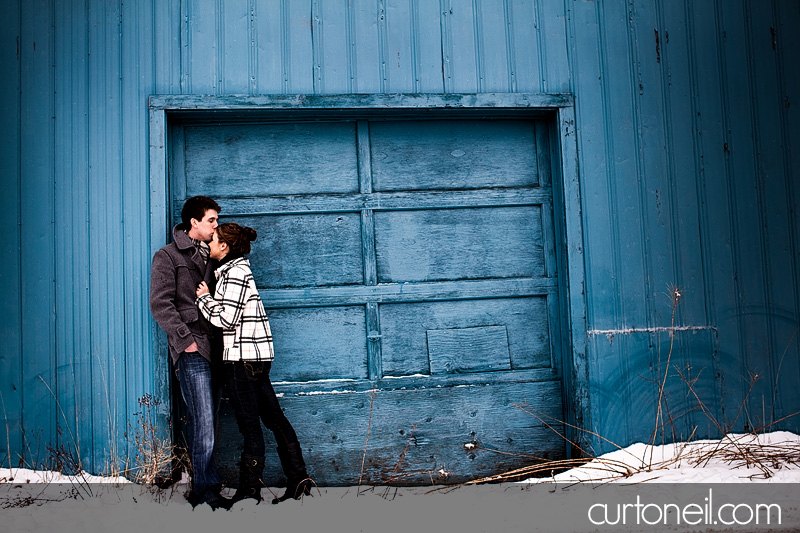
[(194, 344)]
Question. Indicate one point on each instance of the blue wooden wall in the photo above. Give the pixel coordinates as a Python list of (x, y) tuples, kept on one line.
[(687, 141), (689, 173)]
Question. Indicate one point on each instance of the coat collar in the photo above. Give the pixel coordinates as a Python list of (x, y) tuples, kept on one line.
[(243, 261), (181, 238), (184, 242)]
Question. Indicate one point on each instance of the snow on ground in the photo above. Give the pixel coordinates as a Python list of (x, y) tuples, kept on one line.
[(47, 501), (772, 458)]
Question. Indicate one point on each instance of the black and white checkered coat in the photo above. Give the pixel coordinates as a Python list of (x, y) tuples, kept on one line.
[(236, 308)]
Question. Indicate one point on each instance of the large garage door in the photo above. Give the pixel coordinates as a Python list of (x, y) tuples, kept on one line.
[(408, 269)]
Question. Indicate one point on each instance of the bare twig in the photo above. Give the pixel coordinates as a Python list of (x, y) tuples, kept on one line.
[(780, 364), (369, 427), (74, 442), (675, 294), (393, 475), (8, 433), (537, 414), (76, 463)]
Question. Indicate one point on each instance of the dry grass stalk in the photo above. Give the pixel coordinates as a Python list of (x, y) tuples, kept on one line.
[(19, 501), (615, 469), (154, 455), (394, 476), (528, 409), (369, 427), (398, 476), (735, 450), (744, 450), (675, 295)]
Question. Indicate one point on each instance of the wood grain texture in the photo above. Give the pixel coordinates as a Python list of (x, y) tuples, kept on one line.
[(433, 425), (383, 201), (464, 154), (299, 101), (404, 327), (459, 244), (266, 160), (410, 292), (319, 343), (462, 350), (313, 250)]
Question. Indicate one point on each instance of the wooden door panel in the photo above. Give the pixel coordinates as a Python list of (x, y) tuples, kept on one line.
[(414, 435), (451, 244), (462, 154), (313, 343), (405, 339), (314, 250), (468, 350), (270, 159)]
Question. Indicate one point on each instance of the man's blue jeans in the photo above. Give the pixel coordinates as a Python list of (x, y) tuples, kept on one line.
[(202, 401)]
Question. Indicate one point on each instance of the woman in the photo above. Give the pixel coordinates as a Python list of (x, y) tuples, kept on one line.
[(236, 307)]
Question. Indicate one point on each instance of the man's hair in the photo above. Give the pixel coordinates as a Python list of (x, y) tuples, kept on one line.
[(196, 207)]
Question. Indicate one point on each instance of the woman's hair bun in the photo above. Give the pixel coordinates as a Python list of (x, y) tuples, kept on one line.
[(237, 237)]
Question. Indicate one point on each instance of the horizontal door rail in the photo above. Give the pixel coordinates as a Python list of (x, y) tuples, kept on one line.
[(408, 292), (378, 103), (547, 376), (382, 201)]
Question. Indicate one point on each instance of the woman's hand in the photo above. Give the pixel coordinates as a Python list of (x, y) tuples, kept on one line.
[(202, 289)]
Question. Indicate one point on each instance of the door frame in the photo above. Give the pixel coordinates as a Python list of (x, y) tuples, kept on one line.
[(558, 108)]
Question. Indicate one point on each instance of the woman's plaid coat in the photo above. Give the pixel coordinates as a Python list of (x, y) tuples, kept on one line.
[(236, 307)]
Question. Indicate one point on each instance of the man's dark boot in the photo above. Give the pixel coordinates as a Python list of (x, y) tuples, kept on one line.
[(251, 470), (218, 501), (211, 498), (298, 483)]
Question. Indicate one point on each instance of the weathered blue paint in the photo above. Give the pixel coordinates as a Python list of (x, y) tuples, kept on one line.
[(37, 244), (693, 213), (369, 265), (72, 299), (10, 218), (676, 166)]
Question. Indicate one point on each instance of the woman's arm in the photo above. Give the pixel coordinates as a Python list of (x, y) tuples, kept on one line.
[(225, 311)]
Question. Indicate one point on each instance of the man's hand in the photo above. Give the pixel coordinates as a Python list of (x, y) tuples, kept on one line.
[(192, 348)]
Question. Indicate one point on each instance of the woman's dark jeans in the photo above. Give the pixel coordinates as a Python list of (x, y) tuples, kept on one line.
[(254, 401)]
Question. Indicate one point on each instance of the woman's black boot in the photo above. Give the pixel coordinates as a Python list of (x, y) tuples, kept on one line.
[(250, 471), (298, 483)]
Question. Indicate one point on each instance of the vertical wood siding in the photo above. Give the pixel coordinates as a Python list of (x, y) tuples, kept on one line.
[(37, 222), (685, 131), (687, 138), (72, 301), (10, 218)]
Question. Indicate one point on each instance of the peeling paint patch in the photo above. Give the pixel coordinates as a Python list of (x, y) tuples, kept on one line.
[(611, 333), (318, 393), (336, 380)]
